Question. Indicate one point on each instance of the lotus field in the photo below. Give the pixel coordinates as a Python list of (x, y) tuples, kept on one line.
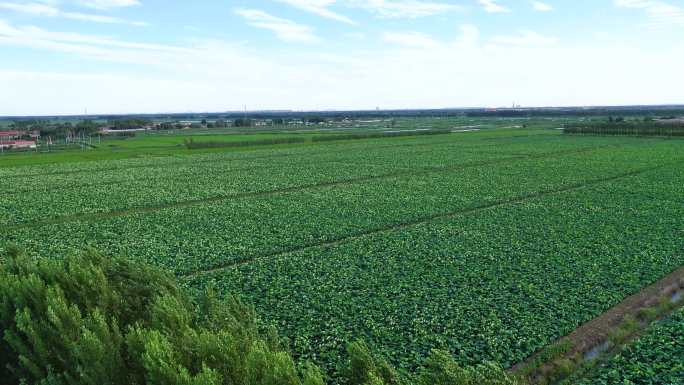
[(488, 244)]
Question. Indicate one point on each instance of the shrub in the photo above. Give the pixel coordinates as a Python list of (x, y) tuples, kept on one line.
[(90, 319), (441, 369)]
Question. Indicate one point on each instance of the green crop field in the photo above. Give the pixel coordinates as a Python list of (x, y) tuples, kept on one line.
[(489, 244)]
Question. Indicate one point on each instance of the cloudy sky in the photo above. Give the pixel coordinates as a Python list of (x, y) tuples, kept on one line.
[(129, 56)]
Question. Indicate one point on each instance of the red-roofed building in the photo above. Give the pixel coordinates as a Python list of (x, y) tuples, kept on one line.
[(5, 135)]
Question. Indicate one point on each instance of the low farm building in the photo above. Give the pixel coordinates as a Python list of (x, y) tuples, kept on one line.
[(10, 134), (16, 144)]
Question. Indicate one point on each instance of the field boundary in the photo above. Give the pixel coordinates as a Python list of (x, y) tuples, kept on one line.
[(192, 202), (590, 340), (426, 219)]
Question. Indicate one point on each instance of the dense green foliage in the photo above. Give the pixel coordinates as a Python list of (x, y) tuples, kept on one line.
[(128, 124), (657, 358), (382, 134), (193, 145), (627, 128), (96, 320)]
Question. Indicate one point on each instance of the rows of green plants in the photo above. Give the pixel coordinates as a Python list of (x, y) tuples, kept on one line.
[(471, 139), (9, 169), (496, 285), (213, 234), (46, 197), (28, 178), (657, 358)]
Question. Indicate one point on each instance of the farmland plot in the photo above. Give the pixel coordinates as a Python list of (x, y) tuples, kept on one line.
[(489, 245), (493, 285), (213, 234)]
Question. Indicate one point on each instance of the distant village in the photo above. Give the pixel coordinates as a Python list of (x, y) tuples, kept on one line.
[(30, 134), (18, 139)]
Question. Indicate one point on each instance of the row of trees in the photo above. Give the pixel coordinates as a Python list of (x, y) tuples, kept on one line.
[(91, 319), (622, 127), (128, 124)]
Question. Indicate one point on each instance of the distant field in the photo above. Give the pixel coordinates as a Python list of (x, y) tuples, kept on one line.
[(490, 244), (170, 143)]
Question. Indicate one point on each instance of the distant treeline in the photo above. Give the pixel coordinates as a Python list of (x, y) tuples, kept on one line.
[(128, 124), (627, 128), (370, 135), (653, 111), (193, 145), (577, 112)]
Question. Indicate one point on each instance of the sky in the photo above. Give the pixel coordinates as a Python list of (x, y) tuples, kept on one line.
[(61, 57)]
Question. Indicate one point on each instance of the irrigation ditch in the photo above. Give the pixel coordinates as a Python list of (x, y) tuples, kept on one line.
[(579, 353)]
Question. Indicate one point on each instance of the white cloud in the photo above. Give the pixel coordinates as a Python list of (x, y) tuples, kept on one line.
[(285, 30), (108, 4), (470, 36), (410, 39), (541, 7), (660, 12), (469, 70), (87, 46), (402, 8), (355, 35), (46, 10), (319, 7), (381, 8), (492, 6), (524, 38)]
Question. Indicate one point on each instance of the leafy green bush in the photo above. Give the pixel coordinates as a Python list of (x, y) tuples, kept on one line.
[(441, 369), (90, 319)]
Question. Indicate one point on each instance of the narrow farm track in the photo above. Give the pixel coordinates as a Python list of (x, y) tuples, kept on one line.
[(429, 218), (193, 202)]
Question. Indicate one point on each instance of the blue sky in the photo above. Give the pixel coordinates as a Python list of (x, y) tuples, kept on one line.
[(129, 56)]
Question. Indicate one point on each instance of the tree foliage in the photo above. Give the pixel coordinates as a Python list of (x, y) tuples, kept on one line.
[(90, 319)]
